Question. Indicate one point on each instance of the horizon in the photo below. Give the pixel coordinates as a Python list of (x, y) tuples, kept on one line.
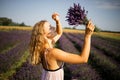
[(104, 14)]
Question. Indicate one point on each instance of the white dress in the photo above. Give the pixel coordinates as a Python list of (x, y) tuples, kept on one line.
[(57, 74)]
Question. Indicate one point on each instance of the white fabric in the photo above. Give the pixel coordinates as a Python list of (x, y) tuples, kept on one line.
[(53, 75)]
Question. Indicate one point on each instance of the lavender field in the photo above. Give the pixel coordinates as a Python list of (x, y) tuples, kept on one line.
[(103, 64)]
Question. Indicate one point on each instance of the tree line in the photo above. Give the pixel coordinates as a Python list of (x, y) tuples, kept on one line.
[(4, 21)]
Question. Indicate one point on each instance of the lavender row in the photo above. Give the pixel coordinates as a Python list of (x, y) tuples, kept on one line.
[(77, 42), (13, 55), (27, 72), (107, 42), (107, 67), (9, 58), (102, 63), (104, 45), (107, 47), (109, 50), (9, 39), (6, 40), (66, 45), (80, 71), (114, 43)]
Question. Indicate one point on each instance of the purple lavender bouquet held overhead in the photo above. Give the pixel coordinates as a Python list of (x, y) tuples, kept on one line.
[(76, 15)]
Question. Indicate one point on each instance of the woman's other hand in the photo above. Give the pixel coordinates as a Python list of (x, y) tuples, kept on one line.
[(89, 28), (55, 16)]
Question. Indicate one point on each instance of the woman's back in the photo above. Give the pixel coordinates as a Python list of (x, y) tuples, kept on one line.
[(51, 74)]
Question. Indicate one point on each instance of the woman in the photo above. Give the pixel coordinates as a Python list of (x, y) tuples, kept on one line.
[(42, 51)]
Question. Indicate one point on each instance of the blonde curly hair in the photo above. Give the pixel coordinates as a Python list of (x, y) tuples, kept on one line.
[(37, 42)]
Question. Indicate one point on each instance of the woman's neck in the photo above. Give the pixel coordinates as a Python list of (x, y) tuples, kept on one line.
[(49, 43)]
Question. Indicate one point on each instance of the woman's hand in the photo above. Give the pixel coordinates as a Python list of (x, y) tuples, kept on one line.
[(55, 16), (89, 28)]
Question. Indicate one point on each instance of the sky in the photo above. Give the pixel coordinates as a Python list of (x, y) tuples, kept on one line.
[(105, 14)]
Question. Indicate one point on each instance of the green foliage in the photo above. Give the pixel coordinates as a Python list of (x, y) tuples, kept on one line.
[(22, 24), (4, 21), (67, 27), (97, 29)]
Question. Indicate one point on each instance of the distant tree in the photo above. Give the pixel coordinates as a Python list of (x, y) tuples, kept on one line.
[(22, 24), (76, 15), (5, 21), (97, 29), (67, 28), (14, 24)]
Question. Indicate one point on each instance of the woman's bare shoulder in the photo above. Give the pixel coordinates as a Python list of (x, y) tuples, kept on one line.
[(54, 50)]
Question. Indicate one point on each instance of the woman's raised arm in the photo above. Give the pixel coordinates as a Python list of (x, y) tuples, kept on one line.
[(76, 58), (59, 30)]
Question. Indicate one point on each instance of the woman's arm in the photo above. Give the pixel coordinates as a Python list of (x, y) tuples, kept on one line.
[(87, 41), (59, 30), (75, 58)]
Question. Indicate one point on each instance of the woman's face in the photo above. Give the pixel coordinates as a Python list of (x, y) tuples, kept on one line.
[(47, 28)]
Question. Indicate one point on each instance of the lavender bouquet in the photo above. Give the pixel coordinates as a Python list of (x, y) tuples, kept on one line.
[(76, 15)]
